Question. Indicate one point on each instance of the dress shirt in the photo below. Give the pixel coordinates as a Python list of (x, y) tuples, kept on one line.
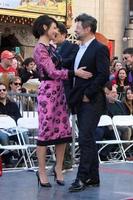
[(81, 51)]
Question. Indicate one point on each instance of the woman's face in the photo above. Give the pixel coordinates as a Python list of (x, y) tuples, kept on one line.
[(122, 75), (129, 95), (52, 31), (118, 66)]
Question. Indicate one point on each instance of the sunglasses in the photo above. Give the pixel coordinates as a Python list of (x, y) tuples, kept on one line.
[(125, 58), (17, 83), (2, 90)]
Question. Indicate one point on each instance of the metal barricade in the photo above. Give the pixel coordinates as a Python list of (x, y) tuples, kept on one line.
[(25, 101)]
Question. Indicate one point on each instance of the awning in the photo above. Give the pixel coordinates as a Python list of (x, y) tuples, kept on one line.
[(25, 14)]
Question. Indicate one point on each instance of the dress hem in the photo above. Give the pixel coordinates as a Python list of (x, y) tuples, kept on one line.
[(54, 142)]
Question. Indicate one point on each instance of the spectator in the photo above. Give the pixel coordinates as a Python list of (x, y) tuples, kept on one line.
[(7, 107), (24, 103), (6, 69), (29, 71), (116, 67), (128, 101), (115, 107), (114, 60), (121, 82), (128, 60)]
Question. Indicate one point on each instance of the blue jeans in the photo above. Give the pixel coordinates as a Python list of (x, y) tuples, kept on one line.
[(4, 138)]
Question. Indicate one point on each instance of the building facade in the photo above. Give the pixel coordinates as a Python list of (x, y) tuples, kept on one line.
[(112, 17), (115, 19), (17, 16)]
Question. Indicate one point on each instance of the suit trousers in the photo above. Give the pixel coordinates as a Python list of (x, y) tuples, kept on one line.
[(88, 117)]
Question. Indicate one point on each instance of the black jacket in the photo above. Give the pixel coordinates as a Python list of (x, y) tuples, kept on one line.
[(26, 75), (96, 59), (10, 109), (67, 51)]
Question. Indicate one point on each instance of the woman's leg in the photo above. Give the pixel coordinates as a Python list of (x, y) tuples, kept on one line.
[(41, 155), (60, 150)]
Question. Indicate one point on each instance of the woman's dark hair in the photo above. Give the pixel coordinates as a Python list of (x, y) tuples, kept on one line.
[(87, 21), (38, 29), (27, 61), (128, 51), (129, 88), (117, 77)]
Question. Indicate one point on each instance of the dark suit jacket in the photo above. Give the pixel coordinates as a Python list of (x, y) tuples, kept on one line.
[(11, 109), (68, 51), (96, 59)]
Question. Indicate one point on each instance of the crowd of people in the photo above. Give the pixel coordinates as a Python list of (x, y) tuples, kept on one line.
[(77, 79)]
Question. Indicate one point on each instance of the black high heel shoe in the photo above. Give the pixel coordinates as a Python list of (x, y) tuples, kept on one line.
[(42, 184), (59, 182)]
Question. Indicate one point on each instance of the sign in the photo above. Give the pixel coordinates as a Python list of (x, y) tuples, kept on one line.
[(54, 7)]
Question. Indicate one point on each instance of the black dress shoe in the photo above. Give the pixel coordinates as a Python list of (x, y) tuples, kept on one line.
[(77, 186), (92, 183)]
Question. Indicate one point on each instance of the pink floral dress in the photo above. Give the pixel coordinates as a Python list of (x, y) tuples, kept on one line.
[(54, 127)]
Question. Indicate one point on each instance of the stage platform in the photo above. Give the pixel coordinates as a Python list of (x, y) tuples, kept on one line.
[(116, 184)]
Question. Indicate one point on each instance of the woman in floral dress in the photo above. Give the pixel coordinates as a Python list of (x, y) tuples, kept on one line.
[(54, 127)]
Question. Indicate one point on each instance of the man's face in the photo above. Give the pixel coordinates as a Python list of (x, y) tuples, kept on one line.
[(81, 32), (7, 62), (3, 92), (111, 95), (16, 86), (30, 66), (128, 59), (59, 38)]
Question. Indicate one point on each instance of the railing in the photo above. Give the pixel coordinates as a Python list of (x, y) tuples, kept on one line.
[(25, 101)]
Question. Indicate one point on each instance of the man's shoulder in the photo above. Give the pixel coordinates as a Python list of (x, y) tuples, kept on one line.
[(69, 44), (98, 44), (11, 102)]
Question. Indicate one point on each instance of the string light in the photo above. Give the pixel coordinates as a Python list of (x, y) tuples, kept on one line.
[(16, 20)]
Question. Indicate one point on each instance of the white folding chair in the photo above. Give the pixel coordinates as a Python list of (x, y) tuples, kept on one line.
[(31, 123), (7, 122), (126, 121), (30, 114), (106, 120)]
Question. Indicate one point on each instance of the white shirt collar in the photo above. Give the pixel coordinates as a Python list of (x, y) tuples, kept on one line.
[(87, 43)]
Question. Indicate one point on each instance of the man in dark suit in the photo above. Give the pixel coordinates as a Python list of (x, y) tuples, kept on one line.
[(67, 50), (87, 98)]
